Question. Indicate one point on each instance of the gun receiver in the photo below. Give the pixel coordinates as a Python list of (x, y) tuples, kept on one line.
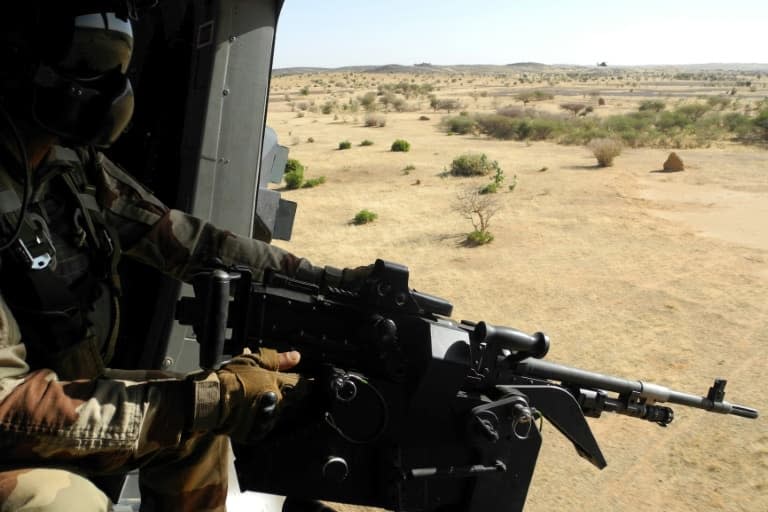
[(413, 411)]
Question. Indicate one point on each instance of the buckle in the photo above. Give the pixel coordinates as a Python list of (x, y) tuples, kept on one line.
[(38, 252)]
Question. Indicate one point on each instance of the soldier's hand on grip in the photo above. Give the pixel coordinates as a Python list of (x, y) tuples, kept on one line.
[(254, 391)]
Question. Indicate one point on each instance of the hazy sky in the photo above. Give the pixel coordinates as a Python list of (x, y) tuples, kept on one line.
[(332, 33)]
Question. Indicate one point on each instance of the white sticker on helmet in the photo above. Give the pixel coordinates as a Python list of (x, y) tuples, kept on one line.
[(104, 21)]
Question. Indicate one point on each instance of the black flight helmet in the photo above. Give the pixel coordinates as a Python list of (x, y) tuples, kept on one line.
[(80, 89)]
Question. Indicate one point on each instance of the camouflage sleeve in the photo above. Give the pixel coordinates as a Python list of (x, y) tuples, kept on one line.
[(177, 243), (98, 425)]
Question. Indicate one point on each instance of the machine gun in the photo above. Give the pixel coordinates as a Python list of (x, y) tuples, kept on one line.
[(415, 412)]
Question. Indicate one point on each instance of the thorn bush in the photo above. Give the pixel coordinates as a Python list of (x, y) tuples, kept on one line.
[(373, 120), (605, 150)]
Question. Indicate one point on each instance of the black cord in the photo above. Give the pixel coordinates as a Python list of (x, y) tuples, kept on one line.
[(26, 179)]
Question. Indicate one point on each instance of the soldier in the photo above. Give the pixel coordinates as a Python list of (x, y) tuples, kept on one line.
[(66, 217)]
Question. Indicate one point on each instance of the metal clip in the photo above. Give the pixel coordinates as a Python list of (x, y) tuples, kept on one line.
[(38, 252)]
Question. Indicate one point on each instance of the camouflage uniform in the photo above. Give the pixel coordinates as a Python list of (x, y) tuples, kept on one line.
[(85, 424)]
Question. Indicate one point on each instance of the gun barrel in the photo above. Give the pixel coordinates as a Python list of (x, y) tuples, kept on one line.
[(575, 376)]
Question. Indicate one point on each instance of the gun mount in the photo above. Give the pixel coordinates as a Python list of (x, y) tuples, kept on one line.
[(414, 412)]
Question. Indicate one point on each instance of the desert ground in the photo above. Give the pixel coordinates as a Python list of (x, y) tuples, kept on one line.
[(648, 275)]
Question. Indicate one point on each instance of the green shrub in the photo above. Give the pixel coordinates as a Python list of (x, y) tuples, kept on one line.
[(461, 125), (742, 127), (605, 150), (708, 128), (313, 182), (444, 104), (652, 106), (528, 96), (718, 102), (490, 188), (580, 131), (345, 144), (540, 128), (761, 123), (368, 101), (364, 217), (495, 184), (401, 145), (498, 126), (512, 111), (294, 174), (693, 111), (479, 237), (328, 107), (634, 129), (473, 164), (513, 183), (367, 142), (671, 121)]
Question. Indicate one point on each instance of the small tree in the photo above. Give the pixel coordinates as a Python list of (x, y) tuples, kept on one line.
[(529, 96), (479, 209), (573, 108), (605, 150)]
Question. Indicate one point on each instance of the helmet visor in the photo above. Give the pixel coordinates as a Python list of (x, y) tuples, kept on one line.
[(100, 43)]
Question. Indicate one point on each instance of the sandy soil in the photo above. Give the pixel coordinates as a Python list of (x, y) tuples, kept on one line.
[(642, 274)]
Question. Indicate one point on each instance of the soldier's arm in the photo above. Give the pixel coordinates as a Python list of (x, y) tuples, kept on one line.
[(108, 424), (177, 243)]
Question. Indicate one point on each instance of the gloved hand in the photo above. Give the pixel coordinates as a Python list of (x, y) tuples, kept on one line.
[(253, 393), (351, 278), (348, 279)]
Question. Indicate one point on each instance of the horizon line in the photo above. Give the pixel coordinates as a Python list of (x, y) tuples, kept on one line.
[(528, 63)]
